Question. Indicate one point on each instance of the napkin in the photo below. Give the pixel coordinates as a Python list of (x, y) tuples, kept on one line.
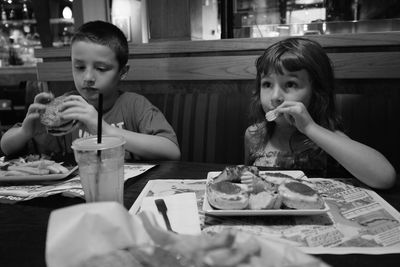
[(77, 233), (85, 232), (182, 212)]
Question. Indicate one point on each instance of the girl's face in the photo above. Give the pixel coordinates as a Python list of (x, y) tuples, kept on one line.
[(95, 70), (291, 86)]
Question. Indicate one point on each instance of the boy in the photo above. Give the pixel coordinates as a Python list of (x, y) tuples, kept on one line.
[(99, 55)]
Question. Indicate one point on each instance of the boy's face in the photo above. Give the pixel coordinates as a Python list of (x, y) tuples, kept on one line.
[(95, 70)]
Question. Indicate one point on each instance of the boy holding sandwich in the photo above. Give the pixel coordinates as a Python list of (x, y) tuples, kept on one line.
[(99, 55)]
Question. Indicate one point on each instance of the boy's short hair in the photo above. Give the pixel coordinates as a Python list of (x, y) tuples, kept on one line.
[(104, 33)]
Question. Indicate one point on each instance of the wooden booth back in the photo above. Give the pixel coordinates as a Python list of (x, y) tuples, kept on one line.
[(204, 88)]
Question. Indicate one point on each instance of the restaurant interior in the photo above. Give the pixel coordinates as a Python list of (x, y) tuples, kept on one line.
[(195, 61)]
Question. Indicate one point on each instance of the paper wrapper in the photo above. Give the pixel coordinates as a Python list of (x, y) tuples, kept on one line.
[(81, 232)]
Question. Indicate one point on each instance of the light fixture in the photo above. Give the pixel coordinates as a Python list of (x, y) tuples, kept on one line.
[(67, 13)]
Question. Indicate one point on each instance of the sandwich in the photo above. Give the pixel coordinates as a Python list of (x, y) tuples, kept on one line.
[(51, 118)]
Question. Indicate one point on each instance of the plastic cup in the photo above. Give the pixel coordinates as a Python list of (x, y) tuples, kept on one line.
[(101, 167)]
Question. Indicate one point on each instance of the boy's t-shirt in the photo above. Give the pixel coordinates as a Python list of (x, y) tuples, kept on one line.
[(131, 111)]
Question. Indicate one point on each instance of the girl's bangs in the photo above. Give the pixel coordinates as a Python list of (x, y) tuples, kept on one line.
[(286, 61)]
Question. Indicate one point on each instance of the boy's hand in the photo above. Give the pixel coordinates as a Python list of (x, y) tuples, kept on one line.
[(76, 108), (33, 113), (296, 114)]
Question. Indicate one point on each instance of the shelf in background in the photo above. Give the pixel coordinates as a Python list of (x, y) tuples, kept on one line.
[(33, 21)]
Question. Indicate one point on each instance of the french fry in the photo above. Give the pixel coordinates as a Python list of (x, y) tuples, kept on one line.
[(43, 163), (60, 167), (29, 170), (53, 169), (14, 173)]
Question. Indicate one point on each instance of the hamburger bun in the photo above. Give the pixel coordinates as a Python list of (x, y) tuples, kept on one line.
[(297, 195), (227, 196), (51, 118)]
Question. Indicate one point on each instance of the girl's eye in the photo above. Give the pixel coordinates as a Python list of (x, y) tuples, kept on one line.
[(266, 85), (291, 85)]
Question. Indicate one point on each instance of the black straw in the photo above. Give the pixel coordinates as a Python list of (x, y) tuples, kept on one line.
[(99, 120), (99, 117)]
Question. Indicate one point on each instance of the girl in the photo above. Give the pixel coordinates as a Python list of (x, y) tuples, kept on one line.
[(294, 122)]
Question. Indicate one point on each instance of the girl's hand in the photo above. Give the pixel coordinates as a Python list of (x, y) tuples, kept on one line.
[(34, 110), (76, 108), (296, 114)]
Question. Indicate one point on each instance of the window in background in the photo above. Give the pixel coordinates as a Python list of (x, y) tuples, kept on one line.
[(29, 24), (267, 18), (166, 20)]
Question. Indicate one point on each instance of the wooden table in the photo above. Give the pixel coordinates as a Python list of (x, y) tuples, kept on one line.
[(23, 225)]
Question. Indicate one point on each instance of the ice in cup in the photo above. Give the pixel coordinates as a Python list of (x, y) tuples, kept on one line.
[(101, 167)]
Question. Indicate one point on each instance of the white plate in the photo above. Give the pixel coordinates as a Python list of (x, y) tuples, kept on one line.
[(47, 177), (207, 209)]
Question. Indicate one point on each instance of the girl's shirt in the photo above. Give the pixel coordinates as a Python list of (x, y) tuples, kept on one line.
[(303, 154)]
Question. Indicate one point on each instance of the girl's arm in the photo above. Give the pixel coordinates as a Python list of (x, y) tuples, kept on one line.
[(249, 140), (145, 145), (364, 162)]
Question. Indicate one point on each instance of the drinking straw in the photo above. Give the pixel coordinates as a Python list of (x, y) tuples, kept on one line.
[(99, 120), (99, 132), (99, 117)]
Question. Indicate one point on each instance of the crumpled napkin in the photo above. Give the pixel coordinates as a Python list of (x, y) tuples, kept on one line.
[(81, 232)]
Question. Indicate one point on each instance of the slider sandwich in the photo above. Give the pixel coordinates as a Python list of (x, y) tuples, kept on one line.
[(51, 118)]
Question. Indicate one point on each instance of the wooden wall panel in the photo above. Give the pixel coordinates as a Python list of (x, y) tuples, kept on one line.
[(371, 41), (367, 65)]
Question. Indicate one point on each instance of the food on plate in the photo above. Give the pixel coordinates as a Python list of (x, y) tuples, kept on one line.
[(227, 195), (52, 120), (233, 173), (297, 195), (270, 190), (31, 166), (271, 115), (265, 200)]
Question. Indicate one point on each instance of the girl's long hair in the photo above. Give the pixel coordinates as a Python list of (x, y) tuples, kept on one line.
[(294, 54)]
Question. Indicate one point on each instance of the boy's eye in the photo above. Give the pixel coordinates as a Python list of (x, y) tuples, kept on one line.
[(79, 67)]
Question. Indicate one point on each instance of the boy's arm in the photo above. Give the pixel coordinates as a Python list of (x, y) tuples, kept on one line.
[(145, 145), (14, 140), (364, 162)]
